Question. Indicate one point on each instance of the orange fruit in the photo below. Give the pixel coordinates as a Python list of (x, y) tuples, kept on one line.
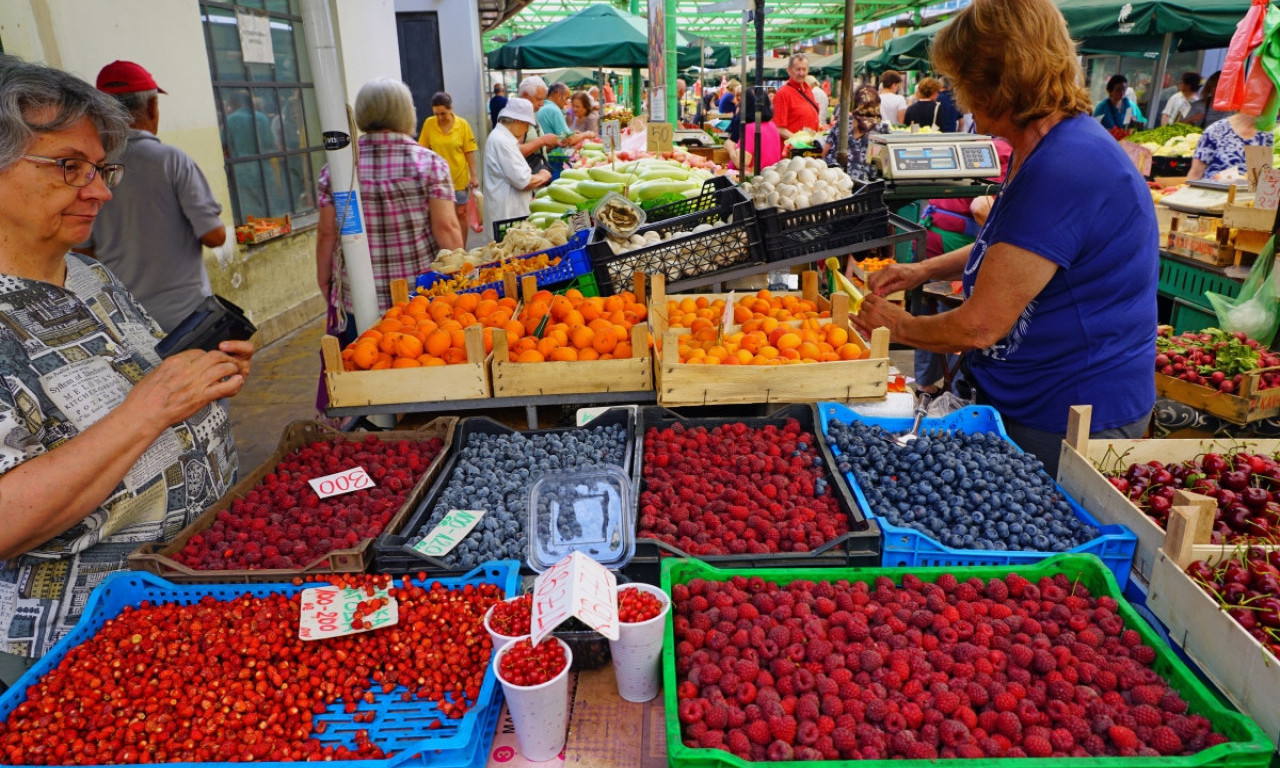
[(484, 308), (438, 342), (787, 341), (582, 337), (407, 346), (458, 339), (466, 302), (604, 341), (560, 307), (850, 352), (564, 354), (429, 361), (623, 350), (546, 346), (455, 355), (530, 356), (837, 336), (365, 355), (588, 354), (406, 362), (514, 331), (384, 362), (389, 341), (489, 293)]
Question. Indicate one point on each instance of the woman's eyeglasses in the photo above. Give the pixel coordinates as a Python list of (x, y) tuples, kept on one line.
[(81, 173)]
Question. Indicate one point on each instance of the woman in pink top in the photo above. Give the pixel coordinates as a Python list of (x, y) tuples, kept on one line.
[(770, 140)]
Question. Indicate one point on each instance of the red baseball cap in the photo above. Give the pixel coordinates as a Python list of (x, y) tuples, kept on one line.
[(126, 77)]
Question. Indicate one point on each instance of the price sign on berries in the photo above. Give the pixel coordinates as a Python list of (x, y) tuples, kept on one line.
[(452, 529), (341, 482), (333, 612), (577, 586)]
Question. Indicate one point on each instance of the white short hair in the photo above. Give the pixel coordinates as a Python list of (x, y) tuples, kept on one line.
[(530, 86)]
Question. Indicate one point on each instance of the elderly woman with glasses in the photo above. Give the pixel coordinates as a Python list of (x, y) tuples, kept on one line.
[(103, 445)]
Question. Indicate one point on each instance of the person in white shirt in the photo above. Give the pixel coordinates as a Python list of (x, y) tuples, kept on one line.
[(893, 105), (821, 97), (508, 180), (1179, 105)]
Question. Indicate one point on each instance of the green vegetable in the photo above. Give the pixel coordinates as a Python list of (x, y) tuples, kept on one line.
[(1164, 133)]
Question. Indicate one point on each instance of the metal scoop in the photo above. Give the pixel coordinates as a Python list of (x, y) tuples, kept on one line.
[(921, 409)]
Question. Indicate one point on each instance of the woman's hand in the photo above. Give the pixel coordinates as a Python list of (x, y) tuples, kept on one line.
[(897, 277), (878, 313), (188, 381)]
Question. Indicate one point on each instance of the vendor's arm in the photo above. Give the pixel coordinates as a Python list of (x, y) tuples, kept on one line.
[(733, 149), (904, 277), (1198, 167), (547, 140), (784, 134), (1008, 280), (44, 496)]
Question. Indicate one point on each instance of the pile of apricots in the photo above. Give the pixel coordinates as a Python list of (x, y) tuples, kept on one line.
[(430, 331), (577, 327)]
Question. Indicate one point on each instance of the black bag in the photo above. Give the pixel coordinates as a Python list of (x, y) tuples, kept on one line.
[(216, 320)]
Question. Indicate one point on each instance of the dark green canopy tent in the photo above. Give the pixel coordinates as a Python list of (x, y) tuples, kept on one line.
[(907, 52), (572, 76), (596, 36), (1136, 26)]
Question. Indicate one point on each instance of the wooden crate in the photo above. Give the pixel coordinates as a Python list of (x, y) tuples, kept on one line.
[(1251, 404), (392, 386), (1232, 659), (658, 298), (1212, 246), (679, 384), (1080, 468), (158, 558), (633, 374)]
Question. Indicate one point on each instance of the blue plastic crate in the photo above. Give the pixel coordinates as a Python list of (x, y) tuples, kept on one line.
[(399, 726), (1115, 544), (574, 263)]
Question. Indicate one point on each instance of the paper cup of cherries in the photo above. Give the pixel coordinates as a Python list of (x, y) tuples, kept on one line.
[(637, 653), (535, 681), (509, 620)]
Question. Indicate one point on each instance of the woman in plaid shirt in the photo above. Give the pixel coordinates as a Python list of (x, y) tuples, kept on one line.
[(407, 196)]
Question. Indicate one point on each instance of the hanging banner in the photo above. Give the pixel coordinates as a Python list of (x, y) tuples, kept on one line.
[(255, 38), (657, 59)]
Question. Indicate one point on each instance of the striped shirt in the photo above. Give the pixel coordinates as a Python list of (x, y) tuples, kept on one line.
[(397, 178)]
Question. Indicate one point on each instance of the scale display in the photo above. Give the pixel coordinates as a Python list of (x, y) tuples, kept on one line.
[(927, 157)]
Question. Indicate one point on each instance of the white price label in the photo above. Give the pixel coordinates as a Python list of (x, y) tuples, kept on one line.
[(341, 482), (611, 135), (728, 315), (576, 586), (452, 529), (330, 612)]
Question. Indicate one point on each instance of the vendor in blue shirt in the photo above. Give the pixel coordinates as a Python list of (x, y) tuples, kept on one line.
[(1116, 111), (1060, 301), (551, 116)]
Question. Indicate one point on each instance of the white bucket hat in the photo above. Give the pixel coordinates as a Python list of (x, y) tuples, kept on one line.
[(519, 109)]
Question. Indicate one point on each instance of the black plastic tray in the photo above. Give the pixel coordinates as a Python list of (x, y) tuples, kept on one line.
[(693, 256), (718, 194), (860, 546), (390, 555), (844, 222)]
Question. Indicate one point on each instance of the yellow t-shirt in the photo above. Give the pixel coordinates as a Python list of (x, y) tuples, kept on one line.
[(452, 146)]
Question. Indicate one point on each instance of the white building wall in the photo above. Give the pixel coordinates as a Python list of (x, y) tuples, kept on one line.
[(462, 57), (366, 32)]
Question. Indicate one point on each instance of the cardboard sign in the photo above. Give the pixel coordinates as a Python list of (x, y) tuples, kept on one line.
[(327, 612), (341, 482), (580, 221), (611, 135), (453, 528), (658, 137), (255, 37), (585, 415), (1268, 195), (579, 587), (728, 316), (1255, 160), (1140, 155)]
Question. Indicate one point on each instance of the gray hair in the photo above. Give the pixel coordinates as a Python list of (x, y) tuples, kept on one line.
[(30, 91), (797, 57), (385, 104), (136, 103), (557, 88), (530, 85)]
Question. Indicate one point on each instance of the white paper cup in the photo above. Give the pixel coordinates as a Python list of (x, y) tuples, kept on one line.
[(637, 653), (539, 712), (499, 640)]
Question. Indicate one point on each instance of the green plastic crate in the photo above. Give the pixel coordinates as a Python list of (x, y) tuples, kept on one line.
[(1249, 746), (1179, 280), (586, 285)]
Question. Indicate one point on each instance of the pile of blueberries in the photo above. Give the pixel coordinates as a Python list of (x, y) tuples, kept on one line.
[(496, 472), (967, 491)]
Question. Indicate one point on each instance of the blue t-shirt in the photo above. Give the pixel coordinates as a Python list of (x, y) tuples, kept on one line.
[(949, 114), (1089, 337), (1113, 116), (727, 105)]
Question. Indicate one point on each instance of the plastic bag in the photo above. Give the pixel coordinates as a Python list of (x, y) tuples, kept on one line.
[(475, 217), (1256, 311), (1232, 85), (1262, 99), (947, 403)]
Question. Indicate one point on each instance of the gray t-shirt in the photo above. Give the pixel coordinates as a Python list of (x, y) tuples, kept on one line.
[(149, 233)]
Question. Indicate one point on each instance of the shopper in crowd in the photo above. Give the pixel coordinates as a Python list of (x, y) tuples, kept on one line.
[(729, 98), (865, 120), (551, 117), (609, 97), (536, 143), (1203, 113), (1178, 108), (1060, 303), (496, 103), (706, 105), (584, 115), (151, 236), (407, 196), (949, 116), (1221, 148), (450, 137), (594, 93), (893, 105), (927, 110), (508, 180), (682, 93), (103, 445), (821, 98), (794, 108), (770, 136), (1117, 110)]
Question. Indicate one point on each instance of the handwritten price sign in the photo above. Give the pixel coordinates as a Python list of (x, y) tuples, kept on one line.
[(580, 587), (341, 482), (328, 612), (452, 529)]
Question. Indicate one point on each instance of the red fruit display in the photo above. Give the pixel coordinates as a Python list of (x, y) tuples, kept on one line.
[(1215, 358), (847, 671), (1245, 485), (637, 605), (525, 664), (1247, 585), (231, 682), (736, 489), (513, 618), (282, 523)]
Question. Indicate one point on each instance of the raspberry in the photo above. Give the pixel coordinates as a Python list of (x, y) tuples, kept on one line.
[(876, 710), (1005, 702), (918, 751), (953, 733), (1147, 715), (716, 717), (1008, 724), (807, 709), (1077, 727), (711, 739), (807, 734), (1166, 742), (1144, 654), (1123, 737), (738, 743), (780, 752), (1037, 746), (832, 706), (946, 702), (1173, 703), (1147, 694), (844, 741), (1062, 740), (783, 728)]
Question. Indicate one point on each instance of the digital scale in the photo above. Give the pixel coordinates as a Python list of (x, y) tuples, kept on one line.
[(933, 156), (1206, 197), (692, 137)]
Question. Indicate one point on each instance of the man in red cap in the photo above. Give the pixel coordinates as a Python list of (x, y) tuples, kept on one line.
[(150, 234)]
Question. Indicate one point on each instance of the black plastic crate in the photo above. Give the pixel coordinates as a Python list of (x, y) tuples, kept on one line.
[(725, 247), (1170, 166), (844, 222), (390, 555), (500, 227), (860, 546), (718, 194)]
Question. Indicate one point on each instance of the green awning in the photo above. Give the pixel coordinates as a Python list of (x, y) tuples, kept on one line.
[(572, 76), (597, 36), (1135, 26)]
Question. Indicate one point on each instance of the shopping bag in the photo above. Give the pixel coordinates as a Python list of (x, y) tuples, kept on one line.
[(1232, 83), (1256, 310), (475, 219)]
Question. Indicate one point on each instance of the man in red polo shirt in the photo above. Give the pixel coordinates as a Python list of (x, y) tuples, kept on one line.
[(794, 107)]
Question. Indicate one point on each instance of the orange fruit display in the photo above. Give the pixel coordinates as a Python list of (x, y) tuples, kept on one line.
[(693, 311), (429, 331), (806, 342), (577, 328)]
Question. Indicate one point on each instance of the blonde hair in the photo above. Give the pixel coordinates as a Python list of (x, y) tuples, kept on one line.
[(733, 85), (1012, 57), (385, 105)]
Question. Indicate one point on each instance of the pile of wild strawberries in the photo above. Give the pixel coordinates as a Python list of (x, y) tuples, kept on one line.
[(282, 523), (973, 669), (736, 489), (231, 682)]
